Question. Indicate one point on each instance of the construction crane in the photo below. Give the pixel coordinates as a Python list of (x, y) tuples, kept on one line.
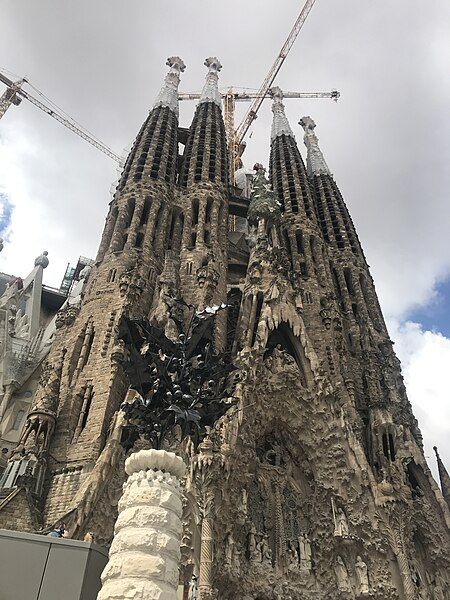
[(15, 93), (252, 112), (233, 95)]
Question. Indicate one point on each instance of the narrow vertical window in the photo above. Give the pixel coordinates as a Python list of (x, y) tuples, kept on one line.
[(145, 211)]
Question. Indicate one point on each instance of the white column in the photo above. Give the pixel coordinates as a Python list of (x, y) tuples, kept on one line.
[(145, 554)]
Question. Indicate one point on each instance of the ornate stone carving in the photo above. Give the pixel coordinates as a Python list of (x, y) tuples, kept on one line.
[(168, 96), (210, 92), (305, 552), (341, 524), (362, 576), (42, 260), (280, 124), (342, 575)]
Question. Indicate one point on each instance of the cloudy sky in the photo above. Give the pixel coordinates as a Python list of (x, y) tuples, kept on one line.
[(387, 140)]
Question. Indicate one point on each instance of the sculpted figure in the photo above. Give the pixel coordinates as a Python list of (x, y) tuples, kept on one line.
[(341, 524), (342, 575), (253, 550), (362, 576), (244, 504), (75, 294), (305, 552), (193, 588), (266, 552), (293, 557), (229, 549)]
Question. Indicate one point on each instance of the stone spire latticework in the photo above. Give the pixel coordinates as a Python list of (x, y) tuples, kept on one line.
[(287, 172), (210, 91), (168, 96), (280, 123), (154, 152), (316, 164), (205, 156)]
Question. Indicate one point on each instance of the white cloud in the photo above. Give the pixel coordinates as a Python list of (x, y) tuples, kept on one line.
[(425, 357)]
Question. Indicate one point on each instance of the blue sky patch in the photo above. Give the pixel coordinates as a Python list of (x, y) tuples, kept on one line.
[(435, 316), (6, 210)]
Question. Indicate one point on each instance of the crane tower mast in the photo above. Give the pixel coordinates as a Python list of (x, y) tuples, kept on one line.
[(270, 77)]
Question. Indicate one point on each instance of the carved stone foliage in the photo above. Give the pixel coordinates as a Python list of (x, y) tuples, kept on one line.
[(131, 286), (66, 316)]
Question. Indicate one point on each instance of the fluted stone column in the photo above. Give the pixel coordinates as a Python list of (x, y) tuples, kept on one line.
[(145, 553)]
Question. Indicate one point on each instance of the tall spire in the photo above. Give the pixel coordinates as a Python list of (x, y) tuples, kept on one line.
[(316, 164), (155, 149), (168, 96), (210, 92), (287, 171), (205, 155), (280, 124), (444, 477)]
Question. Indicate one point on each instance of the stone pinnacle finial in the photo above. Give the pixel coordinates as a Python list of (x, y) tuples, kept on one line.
[(42, 260), (280, 124), (168, 96), (443, 476), (210, 92), (316, 164), (1, 244)]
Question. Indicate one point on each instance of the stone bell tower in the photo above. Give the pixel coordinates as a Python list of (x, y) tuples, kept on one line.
[(65, 465)]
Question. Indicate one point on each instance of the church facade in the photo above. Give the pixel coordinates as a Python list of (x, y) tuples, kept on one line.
[(314, 484)]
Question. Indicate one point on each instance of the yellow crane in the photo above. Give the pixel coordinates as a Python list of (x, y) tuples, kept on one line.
[(232, 95), (235, 136)]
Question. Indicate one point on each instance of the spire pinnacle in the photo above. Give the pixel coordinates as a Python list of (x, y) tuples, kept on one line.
[(280, 124), (168, 96), (210, 92), (443, 476), (316, 164)]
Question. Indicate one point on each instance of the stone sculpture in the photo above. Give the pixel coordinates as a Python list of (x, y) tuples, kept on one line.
[(342, 575), (362, 576), (42, 260), (341, 524), (305, 552)]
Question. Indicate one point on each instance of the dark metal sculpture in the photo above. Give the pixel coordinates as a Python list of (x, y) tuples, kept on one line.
[(181, 383)]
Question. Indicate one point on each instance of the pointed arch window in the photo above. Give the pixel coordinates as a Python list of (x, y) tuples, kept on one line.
[(18, 420)]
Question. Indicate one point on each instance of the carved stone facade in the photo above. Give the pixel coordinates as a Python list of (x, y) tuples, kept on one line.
[(314, 485)]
